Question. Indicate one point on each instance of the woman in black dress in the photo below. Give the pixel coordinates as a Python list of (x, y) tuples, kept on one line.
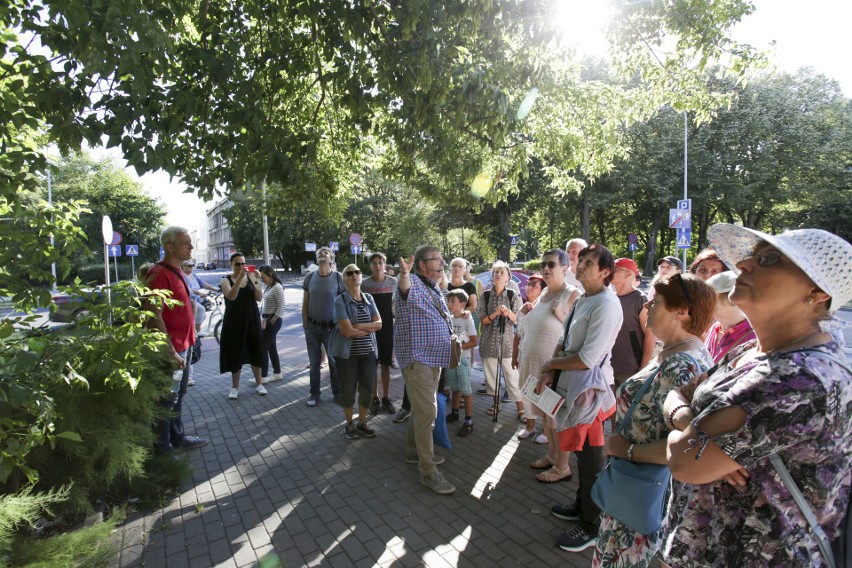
[(241, 336)]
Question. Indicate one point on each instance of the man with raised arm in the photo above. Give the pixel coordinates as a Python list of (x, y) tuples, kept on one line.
[(422, 345)]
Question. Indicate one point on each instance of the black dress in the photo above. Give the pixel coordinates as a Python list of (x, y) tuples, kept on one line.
[(241, 339)]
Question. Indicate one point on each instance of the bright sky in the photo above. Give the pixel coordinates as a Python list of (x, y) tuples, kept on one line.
[(814, 33)]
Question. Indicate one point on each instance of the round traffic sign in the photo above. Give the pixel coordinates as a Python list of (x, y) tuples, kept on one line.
[(632, 238), (355, 239), (116, 238)]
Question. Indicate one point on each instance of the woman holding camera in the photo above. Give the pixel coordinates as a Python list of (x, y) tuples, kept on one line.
[(241, 338)]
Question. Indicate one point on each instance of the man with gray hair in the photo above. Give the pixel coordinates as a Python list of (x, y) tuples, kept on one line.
[(320, 287), (573, 248), (178, 323), (422, 345)]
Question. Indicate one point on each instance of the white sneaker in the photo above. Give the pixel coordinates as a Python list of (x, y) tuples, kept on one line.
[(540, 439), (526, 434), (274, 377), (235, 393), (202, 334), (261, 390), (190, 383)]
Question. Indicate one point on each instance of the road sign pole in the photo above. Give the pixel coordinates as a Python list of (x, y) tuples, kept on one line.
[(132, 267)]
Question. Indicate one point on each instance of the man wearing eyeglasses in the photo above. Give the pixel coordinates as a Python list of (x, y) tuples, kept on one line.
[(320, 287), (422, 345), (573, 248)]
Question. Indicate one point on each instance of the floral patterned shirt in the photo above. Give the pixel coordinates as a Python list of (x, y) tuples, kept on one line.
[(798, 404)]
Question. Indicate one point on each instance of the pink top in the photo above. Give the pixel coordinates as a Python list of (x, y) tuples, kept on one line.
[(719, 342)]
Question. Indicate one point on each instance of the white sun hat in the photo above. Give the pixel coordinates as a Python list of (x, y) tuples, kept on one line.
[(823, 256), (723, 282)]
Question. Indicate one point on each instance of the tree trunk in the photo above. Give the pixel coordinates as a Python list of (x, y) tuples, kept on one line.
[(585, 222), (501, 231)]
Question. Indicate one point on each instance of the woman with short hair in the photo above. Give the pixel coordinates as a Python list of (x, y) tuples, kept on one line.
[(731, 327), (787, 395), (353, 345), (272, 311), (241, 341), (707, 264)]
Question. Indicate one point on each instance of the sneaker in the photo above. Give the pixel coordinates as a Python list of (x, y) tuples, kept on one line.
[(402, 415), (466, 429), (481, 391), (235, 393), (365, 430), (388, 406), (192, 442), (437, 460), (312, 400), (526, 434), (374, 406), (274, 377), (350, 431), (576, 540), (437, 483), (505, 397), (540, 439), (394, 365), (190, 383), (324, 365), (570, 512), (453, 417), (261, 390), (201, 334)]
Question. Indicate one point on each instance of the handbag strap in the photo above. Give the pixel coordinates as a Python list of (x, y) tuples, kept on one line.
[(444, 314), (644, 389), (816, 529)]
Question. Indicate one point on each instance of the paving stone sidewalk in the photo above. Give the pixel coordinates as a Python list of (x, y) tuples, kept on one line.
[(280, 485)]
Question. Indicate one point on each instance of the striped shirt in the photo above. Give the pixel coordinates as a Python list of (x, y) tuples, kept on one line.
[(361, 345), (421, 330), (273, 301)]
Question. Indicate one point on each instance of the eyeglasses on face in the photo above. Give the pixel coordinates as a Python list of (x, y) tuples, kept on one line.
[(551, 264), (352, 272), (438, 258), (767, 258)]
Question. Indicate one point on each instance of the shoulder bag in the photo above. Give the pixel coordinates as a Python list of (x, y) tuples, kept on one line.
[(634, 493)]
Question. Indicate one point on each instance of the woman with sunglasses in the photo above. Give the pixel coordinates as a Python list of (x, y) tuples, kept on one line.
[(353, 345), (787, 394), (241, 341), (542, 330), (680, 311)]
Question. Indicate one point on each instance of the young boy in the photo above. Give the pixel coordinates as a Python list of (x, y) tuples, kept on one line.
[(458, 379)]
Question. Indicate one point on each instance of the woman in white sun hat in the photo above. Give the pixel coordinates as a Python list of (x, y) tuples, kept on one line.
[(788, 392)]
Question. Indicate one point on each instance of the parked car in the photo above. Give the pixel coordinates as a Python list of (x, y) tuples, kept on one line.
[(67, 308), (210, 266)]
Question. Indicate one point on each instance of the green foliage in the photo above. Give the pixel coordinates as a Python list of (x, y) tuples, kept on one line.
[(86, 546), (23, 508), (533, 265)]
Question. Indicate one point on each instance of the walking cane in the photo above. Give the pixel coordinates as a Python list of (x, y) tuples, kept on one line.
[(501, 326)]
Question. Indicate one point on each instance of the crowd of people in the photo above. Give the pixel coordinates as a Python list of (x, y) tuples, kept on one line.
[(718, 374)]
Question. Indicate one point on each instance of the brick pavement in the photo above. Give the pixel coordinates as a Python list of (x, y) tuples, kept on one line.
[(280, 481)]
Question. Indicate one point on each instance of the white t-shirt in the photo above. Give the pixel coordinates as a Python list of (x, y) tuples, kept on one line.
[(593, 330), (464, 328)]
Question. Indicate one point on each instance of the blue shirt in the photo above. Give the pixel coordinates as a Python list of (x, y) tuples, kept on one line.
[(421, 330)]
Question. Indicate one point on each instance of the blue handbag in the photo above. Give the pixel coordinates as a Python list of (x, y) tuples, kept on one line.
[(634, 493), (440, 435)]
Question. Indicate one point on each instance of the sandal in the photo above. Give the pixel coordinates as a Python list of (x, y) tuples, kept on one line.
[(554, 474), (490, 411), (542, 463), (522, 416)]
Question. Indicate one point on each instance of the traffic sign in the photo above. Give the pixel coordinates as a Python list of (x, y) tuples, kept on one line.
[(162, 253), (631, 247), (106, 229), (680, 218), (131, 250), (684, 238), (334, 246), (114, 250), (684, 204), (513, 240), (632, 238), (116, 238), (310, 247), (355, 239), (356, 249)]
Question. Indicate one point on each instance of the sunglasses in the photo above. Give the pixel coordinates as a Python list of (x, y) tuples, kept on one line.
[(551, 264), (766, 258), (685, 291), (352, 272), (239, 264)]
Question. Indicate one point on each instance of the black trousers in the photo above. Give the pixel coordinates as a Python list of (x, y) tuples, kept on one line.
[(590, 461)]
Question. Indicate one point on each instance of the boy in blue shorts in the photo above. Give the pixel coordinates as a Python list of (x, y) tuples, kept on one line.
[(458, 379)]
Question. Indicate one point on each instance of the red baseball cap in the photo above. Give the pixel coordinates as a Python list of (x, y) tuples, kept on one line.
[(536, 276), (628, 264)]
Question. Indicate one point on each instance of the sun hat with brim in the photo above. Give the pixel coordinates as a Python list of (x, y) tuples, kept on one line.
[(824, 257), (723, 282), (536, 276)]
